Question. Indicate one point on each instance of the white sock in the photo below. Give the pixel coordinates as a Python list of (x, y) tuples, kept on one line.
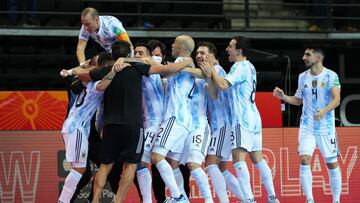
[(180, 181), (306, 180), (266, 177), (233, 184), (168, 177), (144, 180), (202, 182), (335, 183), (243, 175), (218, 182), (70, 184)]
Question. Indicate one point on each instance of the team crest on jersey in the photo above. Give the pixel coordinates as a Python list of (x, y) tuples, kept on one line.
[(323, 84), (314, 83)]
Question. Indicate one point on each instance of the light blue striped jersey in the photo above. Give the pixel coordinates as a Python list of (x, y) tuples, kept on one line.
[(242, 77), (110, 29), (199, 99), (83, 109), (178, 97), (218, 109), (315, 92), (152, 100)]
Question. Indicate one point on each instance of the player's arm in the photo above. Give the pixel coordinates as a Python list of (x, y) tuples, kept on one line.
[(80, 50), (335, 102), (170, 68), (211, 89), (196, 72), (279, 93), (220, 82), (105, 82)]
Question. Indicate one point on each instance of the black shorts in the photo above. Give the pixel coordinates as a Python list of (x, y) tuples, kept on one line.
[(122, 142)]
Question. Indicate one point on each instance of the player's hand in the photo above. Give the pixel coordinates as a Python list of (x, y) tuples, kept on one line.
[(320, 114), (278, 93), (64, 73), (119, 65), (206, 68), (211, 59)]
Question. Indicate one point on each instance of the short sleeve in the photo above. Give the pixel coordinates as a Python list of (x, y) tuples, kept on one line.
[(299, 91), (237, 74), (334, 81), (83, 34)]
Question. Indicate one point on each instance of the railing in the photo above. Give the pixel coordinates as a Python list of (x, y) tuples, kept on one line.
[(191, 15)]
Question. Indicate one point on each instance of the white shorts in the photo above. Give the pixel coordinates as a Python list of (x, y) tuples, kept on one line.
[(196, 145), (220, 143), (241, 138), (328, 144), (150, 134), (76, 145), (171, 137)]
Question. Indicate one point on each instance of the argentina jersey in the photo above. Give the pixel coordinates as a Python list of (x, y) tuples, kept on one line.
[(315, 92), (83, 109), (218, 109), (242, 77), (199, 99), (110, 28), (178, 92), (152, 100)]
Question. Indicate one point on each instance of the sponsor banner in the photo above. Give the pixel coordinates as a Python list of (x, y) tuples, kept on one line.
[(33, 168), (46, 110), (32, 110)]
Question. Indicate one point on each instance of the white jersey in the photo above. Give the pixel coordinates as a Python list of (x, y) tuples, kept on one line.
[(242, 77), (152, 100), (315, 92), (199, 100), (83, 109), (178, 97), (110, 29), (218, 109)]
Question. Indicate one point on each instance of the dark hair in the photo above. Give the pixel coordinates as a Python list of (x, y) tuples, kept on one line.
[(316, 48), (142, 45), (120, 49), (152, 44), (104, 59), (242, 43), (210, 46)]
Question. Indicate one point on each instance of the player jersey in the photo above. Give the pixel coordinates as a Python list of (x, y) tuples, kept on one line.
[(110, 29), (152, 100), (178, 92), (218, 109), (315, 92), (199, 100), (242, 77), (83, 109)]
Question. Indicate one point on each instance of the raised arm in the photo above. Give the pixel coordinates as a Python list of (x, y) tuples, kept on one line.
[(196, 72)]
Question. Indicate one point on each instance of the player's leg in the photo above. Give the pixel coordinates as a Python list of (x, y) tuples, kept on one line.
[(241, 144), (307, 144), (127, 178), (328, 145), (199, 142), (170, 133), (263, 168), (76, 152), (212, 162)]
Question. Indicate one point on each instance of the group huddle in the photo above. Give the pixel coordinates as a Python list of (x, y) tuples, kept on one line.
[(170, 114)]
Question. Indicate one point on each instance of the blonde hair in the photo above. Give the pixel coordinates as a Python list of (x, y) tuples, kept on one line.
[(187, 43), (91, 11)]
